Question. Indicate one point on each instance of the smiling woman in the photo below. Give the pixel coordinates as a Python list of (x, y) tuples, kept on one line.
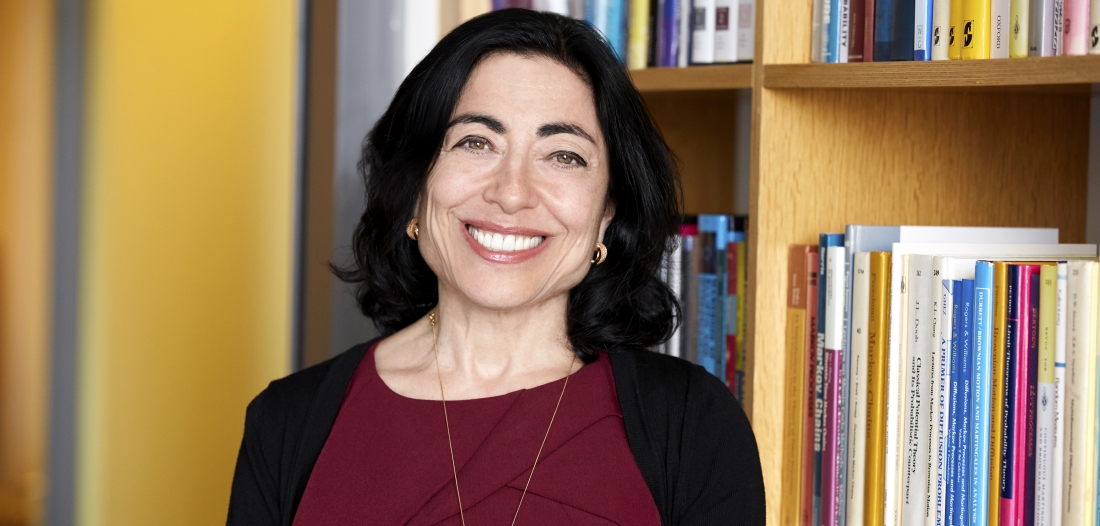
[(519, 201)]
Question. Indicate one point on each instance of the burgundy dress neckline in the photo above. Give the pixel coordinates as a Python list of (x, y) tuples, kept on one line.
[(387, 460)]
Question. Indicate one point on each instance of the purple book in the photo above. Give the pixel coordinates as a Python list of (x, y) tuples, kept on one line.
[(829, 454), (668, 32)]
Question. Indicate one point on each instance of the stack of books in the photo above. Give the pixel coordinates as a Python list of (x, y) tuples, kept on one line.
[(656, 33), (948, 375), (707, 273), (885, 30)]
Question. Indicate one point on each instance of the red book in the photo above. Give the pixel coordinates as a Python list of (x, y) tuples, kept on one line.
[(857, 23), (868, 30), (808, 396), (731, 321)]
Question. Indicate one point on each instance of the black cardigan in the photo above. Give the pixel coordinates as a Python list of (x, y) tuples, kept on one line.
[(690, 438)]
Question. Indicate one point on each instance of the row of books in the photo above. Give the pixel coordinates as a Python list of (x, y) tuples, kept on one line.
[(885, 30), (707, 273), (942, 375), (656, 33)]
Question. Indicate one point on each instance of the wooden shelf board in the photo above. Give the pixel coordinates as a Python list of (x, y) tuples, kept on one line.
[(694, 78), (1027, 73)]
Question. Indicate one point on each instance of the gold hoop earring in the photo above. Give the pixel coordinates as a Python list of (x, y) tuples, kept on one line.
[(413, 229), (600, 255)]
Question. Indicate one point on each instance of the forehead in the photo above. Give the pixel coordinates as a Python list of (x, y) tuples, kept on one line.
[(511, 86)]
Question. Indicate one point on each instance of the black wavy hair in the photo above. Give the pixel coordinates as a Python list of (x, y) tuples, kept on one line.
[(620, 304)]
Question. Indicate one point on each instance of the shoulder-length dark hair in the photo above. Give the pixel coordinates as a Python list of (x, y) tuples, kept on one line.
[(621, 304)]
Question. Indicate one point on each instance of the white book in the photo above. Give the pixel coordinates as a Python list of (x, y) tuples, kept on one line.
[(1044, 402), (726, 30), (1060, 316), (675, 270), (941, 28), (895, 429), (1077, 478), (746, 29), (857, 407), (1094, 27), (1000, 26), (702, 31), (918, 404), (845, 31), (683, 48), (815, 31), (1059, 19), (944, 294)]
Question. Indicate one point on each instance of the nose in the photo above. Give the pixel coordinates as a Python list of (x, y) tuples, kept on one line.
[(511, 187)]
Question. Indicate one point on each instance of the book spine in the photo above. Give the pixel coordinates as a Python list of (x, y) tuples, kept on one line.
[(809, 341), (675, 283), (710, 319), (830, 31), (966, 381), (1010, 441), (742, 325), (857, 410), (702, 31), (1044, 419), (904, 25), (845, 31), (1031, 393), (878, 346), (953, 427), (868, 30), (1093, 445), (945, 310), (975, 29), (725, 31), (796, 363), (683, 47), (856, 34), (941, 29), (1094, 27), (884, 29), (616, 25), (922, 30), (1041, 29), (835, 367), (1061, 333), (954, 32), (980, 407), (691, 263), (638, 47), (746, 29), (1075, 27), (668, 32), (1000, 16), (732, 362), (828, 466), (1059, 25), (996, 388), (895, 385), (817, 33), (1078, 434), (819, 375), (917, 376), (1019, 27)]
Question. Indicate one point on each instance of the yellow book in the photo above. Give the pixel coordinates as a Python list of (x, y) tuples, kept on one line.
[(878, 345), (793, 412), (996, 388), (1044, 420), (1018, 30), (954, 42), (637, 47), (975, 29)]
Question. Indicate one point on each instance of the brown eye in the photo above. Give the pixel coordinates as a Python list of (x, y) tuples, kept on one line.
[(564, 158), (568, 159), (475, 143)]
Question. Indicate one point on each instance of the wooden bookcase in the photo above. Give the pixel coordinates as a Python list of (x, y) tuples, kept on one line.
[(986, 143)]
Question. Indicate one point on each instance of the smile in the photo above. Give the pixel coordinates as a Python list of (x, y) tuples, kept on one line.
[(498, 242)]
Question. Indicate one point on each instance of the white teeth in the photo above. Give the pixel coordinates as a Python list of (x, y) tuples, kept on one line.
[(503, 243)]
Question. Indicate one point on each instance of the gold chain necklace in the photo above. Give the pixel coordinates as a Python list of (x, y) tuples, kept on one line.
[(447, 421)]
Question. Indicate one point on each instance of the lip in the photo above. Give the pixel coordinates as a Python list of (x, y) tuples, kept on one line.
[(518, 256)]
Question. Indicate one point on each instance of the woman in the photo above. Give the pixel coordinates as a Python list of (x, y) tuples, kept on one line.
[(519, 201)]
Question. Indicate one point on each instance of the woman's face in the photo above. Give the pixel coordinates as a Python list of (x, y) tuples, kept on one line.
[(515, 203)]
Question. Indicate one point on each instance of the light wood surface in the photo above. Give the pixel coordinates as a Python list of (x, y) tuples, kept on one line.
[(1025, 72), (719, 77)]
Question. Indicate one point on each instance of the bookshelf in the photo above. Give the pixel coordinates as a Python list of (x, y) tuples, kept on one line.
[(984, 143)]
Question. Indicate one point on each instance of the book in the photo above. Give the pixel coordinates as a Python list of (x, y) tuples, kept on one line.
[(742, 286), (996, 388), (1018, 338), (690, 280), (1019, 28), (817, 32), (975, 32), (955, 31), (834, 371), (1057, 463), (1079, 372), (981, 401), (1094, 27), (795, 343), (809, 341), (1075, 27), (918, 376), (1044, 419), (746, 29), (953, 427), (676, 283), (702, 31), (831, 28), (868, 30), (965, 380), (942, 335), (878, 332), (825, 242), (734, 363), (683, 32), (1030, 392), (668, 32), (857, 408), (884, 30), (1040, 33), (616, 27), (856, 29), (922, 29), (941, 28), (638, 37), (726, 31), (1000, 15), (711, 294)]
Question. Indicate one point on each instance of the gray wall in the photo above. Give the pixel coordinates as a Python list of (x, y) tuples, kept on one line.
[(1092, 234)]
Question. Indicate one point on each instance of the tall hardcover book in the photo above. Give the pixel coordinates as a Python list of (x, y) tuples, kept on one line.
[(941, 29), (795, 340), (1044, 420), (734, 363), (711, 294), (725, 30), (857, 407), (1061, 333), (918, 376), (975, 28), (1075, 27), (955, 31), (856, 30), (878, 345), (825, 242), (809, 347), (981, 400), (702, 31), (834, 370), (638, 39)]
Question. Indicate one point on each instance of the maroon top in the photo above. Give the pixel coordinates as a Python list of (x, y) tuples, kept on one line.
[(386, 460)]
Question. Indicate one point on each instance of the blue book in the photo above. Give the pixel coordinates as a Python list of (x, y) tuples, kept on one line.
[(884, 29), (966, 366), (947, 308), (825, 241), (922, 38), (954, 413), (983, 356), (834, 25), (901, 47), (616, 28), (711, 294)]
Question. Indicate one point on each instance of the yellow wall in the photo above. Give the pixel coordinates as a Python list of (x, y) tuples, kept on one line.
[(186, 263), (26, 106)]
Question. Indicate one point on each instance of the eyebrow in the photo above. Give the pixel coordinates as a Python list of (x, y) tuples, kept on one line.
[(475, 118), (554, 128)]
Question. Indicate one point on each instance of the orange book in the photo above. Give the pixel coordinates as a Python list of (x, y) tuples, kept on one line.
[(878, 347), (794, 396)]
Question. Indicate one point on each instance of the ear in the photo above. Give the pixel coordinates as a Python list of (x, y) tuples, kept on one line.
[(608, 215)]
